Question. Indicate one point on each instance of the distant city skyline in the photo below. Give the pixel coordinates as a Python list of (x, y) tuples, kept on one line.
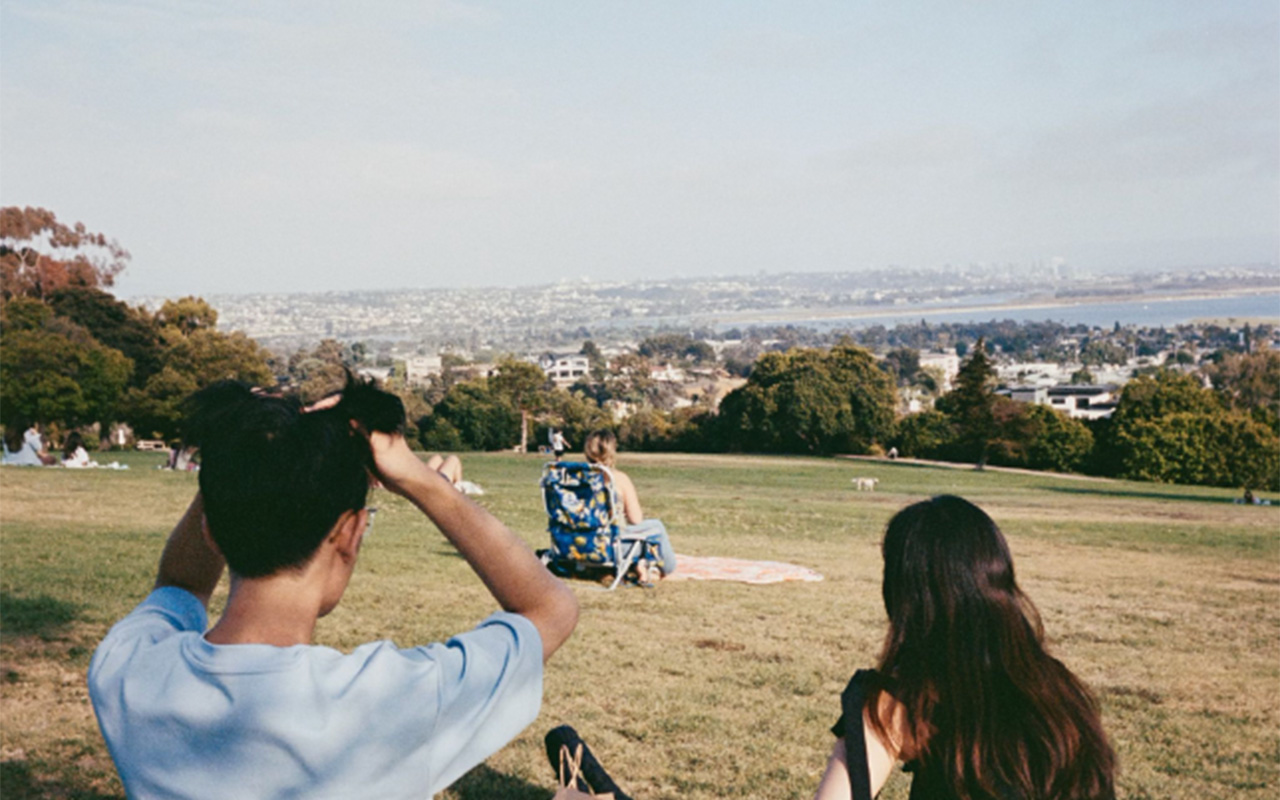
[(526, 319), (240, 148)]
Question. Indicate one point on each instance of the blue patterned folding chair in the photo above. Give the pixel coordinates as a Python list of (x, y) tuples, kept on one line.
[(584, 518)]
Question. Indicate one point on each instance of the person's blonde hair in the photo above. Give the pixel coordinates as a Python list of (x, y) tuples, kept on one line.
[(601, 447)]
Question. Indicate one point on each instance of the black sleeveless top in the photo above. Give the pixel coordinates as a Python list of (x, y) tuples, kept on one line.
[(928, 783)]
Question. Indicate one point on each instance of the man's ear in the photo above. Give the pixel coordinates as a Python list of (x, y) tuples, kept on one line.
[(348, 532)]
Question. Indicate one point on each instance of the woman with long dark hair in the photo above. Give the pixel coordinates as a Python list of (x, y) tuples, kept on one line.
[(74, 454), (964, 692)]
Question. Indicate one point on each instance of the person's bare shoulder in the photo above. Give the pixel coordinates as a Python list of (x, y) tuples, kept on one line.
[(630, 498), (622, 479)]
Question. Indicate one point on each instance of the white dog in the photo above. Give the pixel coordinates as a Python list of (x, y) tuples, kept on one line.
[(866, 484)]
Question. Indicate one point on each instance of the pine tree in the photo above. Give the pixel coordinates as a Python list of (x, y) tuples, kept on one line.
[(971, 405)]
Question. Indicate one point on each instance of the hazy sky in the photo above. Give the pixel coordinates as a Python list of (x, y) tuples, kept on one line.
[(252, 147)]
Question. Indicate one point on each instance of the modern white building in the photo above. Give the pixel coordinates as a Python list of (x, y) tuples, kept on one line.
[(419, 370), (565, 369), (1085, 402), (947, 363), (1076, 401), (1035, 395)]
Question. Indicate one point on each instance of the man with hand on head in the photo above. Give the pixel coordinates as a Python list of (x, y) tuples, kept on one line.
[(251, 708)]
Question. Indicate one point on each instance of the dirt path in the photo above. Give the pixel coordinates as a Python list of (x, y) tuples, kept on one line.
[(953, 465)]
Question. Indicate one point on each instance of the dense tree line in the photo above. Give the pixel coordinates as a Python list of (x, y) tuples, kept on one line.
[(1167, 427), (72, 355), (1024, 341), (1170, 428)]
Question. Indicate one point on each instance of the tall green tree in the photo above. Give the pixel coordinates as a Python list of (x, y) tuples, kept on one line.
[(113, 323), (187, 315), (471, 417), (971, 406), (629, 379), (1218, 449), (195, 354), (524, 387), (319, 371), (575, 414), (677, 347), (903, 363), (928, 434), (1055, 441), (1169, 428), (1249, 383), (54, 371), (810, 401)]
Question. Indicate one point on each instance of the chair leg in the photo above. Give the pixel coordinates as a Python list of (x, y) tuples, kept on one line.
[(632, 551), (622, 566)]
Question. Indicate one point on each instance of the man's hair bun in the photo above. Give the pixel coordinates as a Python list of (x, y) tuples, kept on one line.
[(372, 408)]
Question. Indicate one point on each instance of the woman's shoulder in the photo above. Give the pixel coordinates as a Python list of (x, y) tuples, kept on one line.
[(865, 680), (619, 475), (856, 692)]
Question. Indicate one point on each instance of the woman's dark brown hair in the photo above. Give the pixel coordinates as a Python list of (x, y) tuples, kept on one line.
[(984, 702), (73, 442), (15, 433)]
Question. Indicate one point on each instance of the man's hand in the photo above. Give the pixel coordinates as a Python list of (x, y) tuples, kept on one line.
[(509, 569), (398, 467)]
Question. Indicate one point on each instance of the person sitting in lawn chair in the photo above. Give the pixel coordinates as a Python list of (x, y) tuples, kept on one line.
[(584, 518), (588, 519), (601, 448)]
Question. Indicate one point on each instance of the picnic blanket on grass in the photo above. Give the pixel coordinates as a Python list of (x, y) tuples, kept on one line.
[(717, 568)]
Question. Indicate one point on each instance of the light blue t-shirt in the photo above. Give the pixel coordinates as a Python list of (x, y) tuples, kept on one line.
[(28, 454), (186, 718)]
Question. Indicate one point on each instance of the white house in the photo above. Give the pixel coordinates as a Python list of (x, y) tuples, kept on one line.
[(1084, 402), (565, 369), (419, 370), (947, 363), (1035, 395), (667, 373)]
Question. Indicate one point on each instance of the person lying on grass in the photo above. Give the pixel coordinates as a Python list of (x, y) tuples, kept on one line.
[(250, 707), (964, 692), (601, 447)]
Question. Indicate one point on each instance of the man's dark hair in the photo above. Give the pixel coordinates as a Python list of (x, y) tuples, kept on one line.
[(275, 478)]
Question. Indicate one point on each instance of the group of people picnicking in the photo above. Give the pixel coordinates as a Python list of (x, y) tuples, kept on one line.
[(24, 446), (963, 692)]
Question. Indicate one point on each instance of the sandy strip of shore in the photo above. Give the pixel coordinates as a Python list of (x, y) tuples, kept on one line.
[(863, 312)]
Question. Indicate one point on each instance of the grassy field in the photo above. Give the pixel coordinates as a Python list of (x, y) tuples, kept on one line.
[(1165, 599)]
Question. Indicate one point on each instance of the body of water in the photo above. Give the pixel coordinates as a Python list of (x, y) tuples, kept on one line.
[(1264, 305)]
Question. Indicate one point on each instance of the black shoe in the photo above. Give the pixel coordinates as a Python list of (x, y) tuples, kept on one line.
[(593, 778)]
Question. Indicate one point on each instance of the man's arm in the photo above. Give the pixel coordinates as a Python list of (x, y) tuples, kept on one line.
[(509, 569), (188, 562)]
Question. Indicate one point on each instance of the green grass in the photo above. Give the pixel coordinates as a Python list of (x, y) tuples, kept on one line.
[(1165, 599)]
